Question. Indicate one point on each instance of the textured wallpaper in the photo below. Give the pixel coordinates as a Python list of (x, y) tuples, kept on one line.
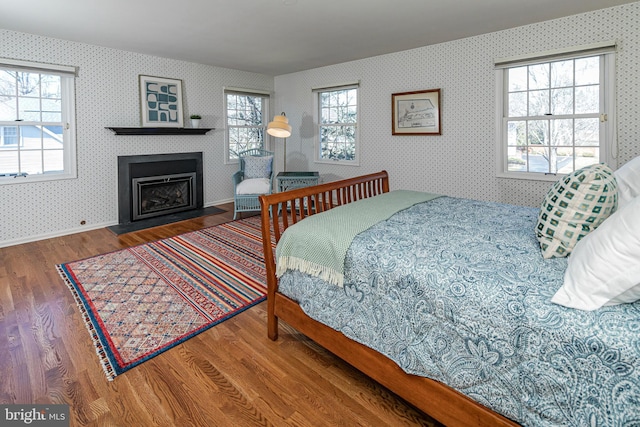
[(107, 95), (461, 162)]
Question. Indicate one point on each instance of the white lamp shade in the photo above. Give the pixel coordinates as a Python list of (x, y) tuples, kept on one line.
[(279, 127)]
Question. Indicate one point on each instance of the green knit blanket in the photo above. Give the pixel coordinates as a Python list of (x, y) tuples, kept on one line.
[(318, 244)]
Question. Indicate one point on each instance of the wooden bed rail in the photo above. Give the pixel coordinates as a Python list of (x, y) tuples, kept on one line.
[(280, 210)]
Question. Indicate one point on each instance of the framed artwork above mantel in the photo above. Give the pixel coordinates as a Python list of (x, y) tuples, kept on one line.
[(160, 102), (416, 113)]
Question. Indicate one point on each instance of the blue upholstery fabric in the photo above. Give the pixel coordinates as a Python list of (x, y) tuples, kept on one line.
[(257, 167)]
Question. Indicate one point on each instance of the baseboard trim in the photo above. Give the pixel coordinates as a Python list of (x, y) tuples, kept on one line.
[(37, 237)]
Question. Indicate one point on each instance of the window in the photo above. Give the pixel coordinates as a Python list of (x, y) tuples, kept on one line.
[(337, 119), (246, 117), (556, 116), (37, 137)]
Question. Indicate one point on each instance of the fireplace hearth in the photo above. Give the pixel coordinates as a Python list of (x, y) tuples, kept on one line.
[(155, 185)]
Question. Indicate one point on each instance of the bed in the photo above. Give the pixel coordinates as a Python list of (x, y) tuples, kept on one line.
[(465, 333)]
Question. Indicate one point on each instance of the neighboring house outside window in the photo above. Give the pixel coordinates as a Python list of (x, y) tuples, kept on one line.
[(9, 135), (337, 120), (37, 129), (246, 116), (556, 114)]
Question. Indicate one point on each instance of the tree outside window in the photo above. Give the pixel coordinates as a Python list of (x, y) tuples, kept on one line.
[(245, 114), (35, 110), (553, 111), (337, 124)]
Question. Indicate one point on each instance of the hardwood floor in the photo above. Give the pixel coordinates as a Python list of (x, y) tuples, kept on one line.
[(230, 375)]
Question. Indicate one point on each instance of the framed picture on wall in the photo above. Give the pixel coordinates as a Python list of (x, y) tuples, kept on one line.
[(161, 102), (416, 113)]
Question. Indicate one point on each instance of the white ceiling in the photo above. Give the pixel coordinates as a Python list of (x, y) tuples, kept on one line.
[(277, 37)]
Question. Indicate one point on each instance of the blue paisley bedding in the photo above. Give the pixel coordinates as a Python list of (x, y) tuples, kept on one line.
[(457, 290)]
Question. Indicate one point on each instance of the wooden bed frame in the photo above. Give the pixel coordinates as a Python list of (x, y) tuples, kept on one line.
[(279, 211)]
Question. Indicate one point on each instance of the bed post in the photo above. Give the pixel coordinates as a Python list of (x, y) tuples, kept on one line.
[(270, 265)]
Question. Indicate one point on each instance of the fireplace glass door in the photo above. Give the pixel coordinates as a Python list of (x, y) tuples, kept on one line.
[(162, 195)]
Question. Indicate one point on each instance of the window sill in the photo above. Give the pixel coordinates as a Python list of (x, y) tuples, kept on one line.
[(337, 162), (531, 176), (29, 179)]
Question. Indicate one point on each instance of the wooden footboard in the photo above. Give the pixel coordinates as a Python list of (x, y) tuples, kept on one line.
[(279, 211)]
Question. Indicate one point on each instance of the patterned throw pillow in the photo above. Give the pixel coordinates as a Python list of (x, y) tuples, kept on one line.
[(257, 167), (576, 204)]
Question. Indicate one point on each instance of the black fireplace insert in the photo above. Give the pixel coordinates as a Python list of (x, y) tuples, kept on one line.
[(158, 184)]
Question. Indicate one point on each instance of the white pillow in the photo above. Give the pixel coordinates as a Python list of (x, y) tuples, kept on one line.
[(628, 179), (604, 267), (254, 186)]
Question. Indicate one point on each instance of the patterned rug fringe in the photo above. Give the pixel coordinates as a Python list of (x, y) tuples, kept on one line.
[(102, 357)]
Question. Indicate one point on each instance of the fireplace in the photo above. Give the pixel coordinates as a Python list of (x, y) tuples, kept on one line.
[(162, 195), (154, 185)]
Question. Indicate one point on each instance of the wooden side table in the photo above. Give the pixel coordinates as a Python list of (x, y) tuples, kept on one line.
[(290, 180)]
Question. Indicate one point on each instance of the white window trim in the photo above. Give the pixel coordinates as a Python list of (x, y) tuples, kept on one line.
[(37, 67), (265, 119), (316, 115), (608, 127), (68, 119)]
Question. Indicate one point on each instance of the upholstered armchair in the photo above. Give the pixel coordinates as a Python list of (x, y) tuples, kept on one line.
[(255, 177)]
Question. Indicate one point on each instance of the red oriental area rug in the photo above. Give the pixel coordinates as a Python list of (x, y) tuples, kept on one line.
[(141, 301)]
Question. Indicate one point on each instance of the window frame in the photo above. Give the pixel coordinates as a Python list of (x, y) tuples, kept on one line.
[(67, 121), (317, 92), (607, 131), (266, 100)]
